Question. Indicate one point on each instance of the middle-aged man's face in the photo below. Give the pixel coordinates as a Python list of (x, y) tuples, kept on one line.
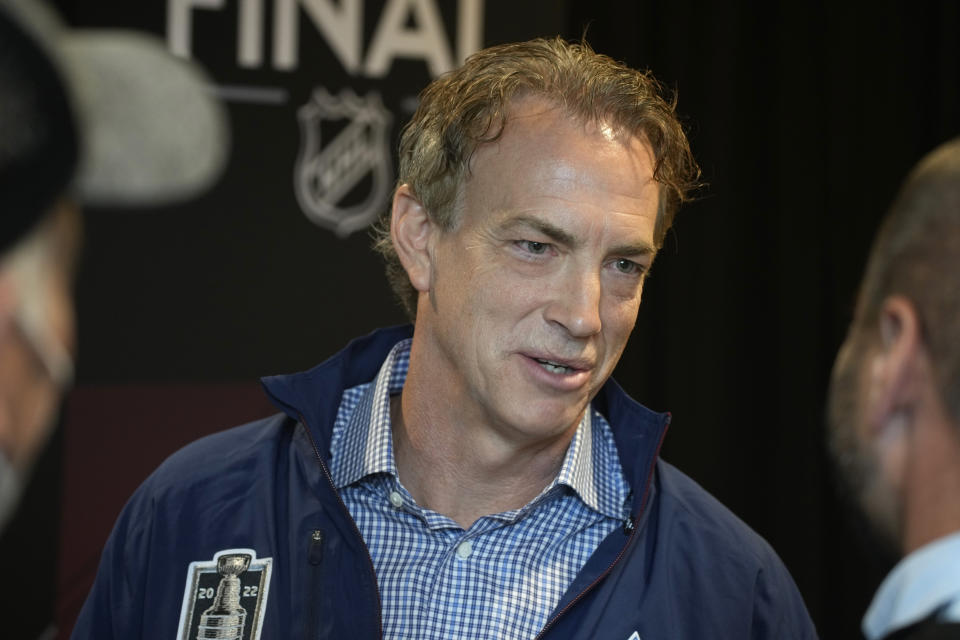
[(535, 291), (858, 454), (37, 338)]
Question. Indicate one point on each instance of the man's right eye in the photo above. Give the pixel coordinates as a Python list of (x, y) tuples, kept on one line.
[(534, 247)]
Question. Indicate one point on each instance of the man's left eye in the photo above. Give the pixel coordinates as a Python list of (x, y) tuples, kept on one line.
[(627, 266)]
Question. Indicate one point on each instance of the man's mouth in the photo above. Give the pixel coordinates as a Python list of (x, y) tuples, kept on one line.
[(554, 367)]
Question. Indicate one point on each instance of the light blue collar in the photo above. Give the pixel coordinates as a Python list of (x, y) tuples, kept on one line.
[(922, 583)]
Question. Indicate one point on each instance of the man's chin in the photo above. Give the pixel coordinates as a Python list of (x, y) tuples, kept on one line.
[(871, 507), (868, 505)]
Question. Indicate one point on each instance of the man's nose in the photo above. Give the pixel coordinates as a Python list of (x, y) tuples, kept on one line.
[(575, 304)]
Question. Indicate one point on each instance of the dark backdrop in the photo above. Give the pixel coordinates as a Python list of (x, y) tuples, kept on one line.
[(804, 117)]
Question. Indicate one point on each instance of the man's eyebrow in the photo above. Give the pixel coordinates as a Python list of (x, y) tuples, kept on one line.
[(565, 238), (553, 232), (639, 249)]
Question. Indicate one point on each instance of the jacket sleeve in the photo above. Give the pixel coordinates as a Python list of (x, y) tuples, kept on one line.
[(778, 608), (114, 608)]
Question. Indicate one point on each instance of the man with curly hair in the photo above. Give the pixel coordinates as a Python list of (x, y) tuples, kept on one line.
[(476, 474)]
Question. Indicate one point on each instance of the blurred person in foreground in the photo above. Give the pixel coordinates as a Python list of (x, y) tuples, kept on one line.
[(895, 403), (105, 118), (475, 475)]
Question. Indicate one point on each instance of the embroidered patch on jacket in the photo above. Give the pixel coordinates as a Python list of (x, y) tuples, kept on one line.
[(225, 597)]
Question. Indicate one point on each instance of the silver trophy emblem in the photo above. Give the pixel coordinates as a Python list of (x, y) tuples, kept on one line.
[(225, 618)]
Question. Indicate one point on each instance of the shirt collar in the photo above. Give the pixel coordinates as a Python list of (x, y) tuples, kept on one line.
[(365, 444), (921, 584), (591, 466)]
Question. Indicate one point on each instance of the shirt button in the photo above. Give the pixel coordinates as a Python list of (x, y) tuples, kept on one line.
[(464, 549), (396, 499)]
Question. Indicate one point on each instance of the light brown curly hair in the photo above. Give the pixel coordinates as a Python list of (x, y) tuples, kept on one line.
[(468, 107)]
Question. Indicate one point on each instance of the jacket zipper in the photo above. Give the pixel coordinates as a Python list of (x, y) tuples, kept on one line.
[(356, 529), (630, 525), (315, 558)]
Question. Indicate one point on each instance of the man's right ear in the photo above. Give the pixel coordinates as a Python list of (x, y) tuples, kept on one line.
[(411, 229)]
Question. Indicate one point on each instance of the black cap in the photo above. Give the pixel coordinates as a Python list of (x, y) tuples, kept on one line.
[(107, 117), (38, 137)]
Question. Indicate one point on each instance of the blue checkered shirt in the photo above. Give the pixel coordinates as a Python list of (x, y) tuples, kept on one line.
[(501, 578)]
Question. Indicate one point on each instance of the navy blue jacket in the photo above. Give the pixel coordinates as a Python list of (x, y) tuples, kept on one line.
[(681, 567)]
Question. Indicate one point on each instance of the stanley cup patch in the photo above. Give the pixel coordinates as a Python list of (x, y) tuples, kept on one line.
[(225, 597)]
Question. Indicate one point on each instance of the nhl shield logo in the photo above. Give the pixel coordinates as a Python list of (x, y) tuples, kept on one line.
[(225, 597), (343, 174)]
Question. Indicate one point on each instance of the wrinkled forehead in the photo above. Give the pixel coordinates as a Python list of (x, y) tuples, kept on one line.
[(534, 119), (539, 133), (526, 103)]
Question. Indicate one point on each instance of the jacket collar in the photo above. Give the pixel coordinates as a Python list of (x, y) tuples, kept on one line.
[(313, 397)]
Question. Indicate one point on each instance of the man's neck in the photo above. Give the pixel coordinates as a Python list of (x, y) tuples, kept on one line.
[(465, 471)]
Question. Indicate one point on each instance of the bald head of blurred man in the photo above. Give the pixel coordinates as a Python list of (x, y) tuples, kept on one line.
[(895, 398)]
